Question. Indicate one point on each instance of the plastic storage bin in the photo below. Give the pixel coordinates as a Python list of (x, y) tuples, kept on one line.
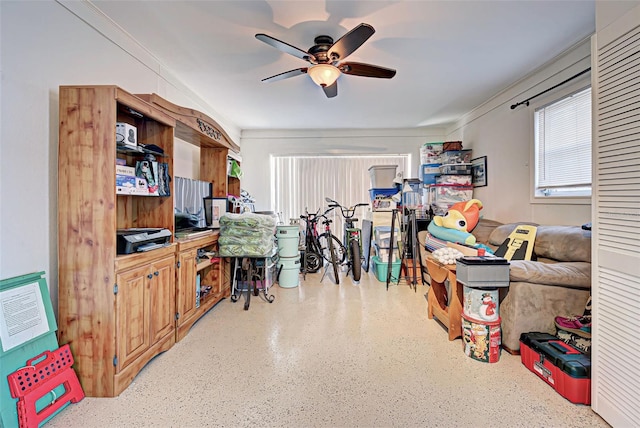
[(483, 272), (429, 172), (455, 156), (452, 145), (458, 180), (288, 272), (382, 176), (384, 253), (430, 152), (287, 240), (442, 194), (382, 235), (381, 269), (456, 169), (382, 193)]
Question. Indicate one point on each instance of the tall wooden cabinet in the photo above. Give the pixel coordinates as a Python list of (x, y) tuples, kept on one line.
[(119, 311), (116, 312)]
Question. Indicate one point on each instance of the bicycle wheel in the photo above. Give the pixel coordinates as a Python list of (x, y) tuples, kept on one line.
[(356, 263), (341, 251), (313, 261), (334, 261)]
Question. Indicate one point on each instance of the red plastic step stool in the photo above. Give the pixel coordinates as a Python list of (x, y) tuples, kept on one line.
[(32, 382)]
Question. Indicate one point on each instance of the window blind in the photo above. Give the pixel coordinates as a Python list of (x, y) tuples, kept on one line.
[(563, 143), (302, 182)]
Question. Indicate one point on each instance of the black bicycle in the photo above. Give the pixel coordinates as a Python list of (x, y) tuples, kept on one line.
[(312, 258), (352, 237)]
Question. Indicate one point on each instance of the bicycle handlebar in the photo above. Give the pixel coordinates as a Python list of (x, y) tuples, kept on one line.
[(310, 216), (347, 212)]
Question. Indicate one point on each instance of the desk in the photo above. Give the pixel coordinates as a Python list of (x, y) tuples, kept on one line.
[(449, 313)]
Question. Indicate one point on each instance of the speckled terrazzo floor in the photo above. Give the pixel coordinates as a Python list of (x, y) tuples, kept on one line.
[(326, 355)]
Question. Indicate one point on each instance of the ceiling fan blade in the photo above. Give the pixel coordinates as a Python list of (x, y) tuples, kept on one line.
[(285, 47), (366, 70), (286, 75), (351, 41), (331, 90)]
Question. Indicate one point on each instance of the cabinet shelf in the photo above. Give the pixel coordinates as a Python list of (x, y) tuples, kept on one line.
[(206, 263), (110, 330), (138, 151), (142, 196)]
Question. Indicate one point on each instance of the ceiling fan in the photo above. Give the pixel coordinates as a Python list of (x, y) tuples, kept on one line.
[(325, 58)]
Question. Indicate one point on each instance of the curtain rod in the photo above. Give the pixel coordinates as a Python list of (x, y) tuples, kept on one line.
[(526, 102)]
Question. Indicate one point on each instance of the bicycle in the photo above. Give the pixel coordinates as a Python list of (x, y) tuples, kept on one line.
[(352, 237), (312, 259)]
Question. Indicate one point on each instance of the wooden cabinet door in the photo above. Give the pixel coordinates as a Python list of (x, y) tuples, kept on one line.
[(162, 299), (186, 295), (132, 315)]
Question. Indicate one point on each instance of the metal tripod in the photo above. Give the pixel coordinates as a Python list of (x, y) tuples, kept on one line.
[(410, 246)]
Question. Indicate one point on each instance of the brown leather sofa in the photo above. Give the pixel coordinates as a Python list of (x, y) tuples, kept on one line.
[(558, 283)]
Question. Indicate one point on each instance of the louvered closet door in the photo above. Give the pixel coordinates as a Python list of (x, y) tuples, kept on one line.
[(616, 218)]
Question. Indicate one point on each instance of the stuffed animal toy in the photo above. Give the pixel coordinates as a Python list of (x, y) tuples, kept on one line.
[(457, 224)]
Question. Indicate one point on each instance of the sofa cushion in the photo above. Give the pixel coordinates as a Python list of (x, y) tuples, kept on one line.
[(501, 233), (566, 274), (483, 230), (561, 243), (564, 243)]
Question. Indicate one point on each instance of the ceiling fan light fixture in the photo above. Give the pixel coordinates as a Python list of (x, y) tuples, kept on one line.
[(324, 74)]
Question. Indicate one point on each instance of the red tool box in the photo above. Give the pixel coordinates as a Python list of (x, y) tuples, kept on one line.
[(562, 366)]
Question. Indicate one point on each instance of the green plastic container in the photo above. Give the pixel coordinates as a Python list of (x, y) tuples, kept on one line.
[(381, 269), (287, 241), (288, 272)]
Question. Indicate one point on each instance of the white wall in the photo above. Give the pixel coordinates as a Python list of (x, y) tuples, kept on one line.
[(258, 146), (505, 136), (44, 45)]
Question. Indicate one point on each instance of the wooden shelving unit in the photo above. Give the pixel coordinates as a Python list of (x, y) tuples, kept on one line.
[(104, 298), (119, 311)]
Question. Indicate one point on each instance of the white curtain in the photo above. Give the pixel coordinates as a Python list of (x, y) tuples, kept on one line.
[(303, 182)]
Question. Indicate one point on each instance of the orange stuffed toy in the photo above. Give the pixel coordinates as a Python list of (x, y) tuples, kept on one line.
[(457, 224)]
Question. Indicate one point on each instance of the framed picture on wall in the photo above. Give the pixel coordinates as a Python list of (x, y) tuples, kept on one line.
[(479, 171)]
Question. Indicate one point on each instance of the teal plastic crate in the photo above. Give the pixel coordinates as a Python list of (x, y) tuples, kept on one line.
[(381, 269)]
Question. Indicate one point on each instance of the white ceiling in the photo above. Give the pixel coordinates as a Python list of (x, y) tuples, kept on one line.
[(450, 56)]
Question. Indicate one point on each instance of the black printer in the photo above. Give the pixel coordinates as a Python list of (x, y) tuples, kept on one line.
[(142, 239)]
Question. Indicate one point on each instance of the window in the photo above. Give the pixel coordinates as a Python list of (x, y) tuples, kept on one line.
[(302, 182), (563, 147)]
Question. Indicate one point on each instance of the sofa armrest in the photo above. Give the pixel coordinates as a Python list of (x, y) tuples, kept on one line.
[(565, 274)]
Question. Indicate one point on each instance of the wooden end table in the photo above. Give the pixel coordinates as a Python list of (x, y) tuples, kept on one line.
[(449, 313)]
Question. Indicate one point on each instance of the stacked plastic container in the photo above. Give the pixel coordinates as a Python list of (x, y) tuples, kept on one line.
[(288, 256), (446, 177), (382, 187), (386, 250), (430, 162), (482, 277)]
